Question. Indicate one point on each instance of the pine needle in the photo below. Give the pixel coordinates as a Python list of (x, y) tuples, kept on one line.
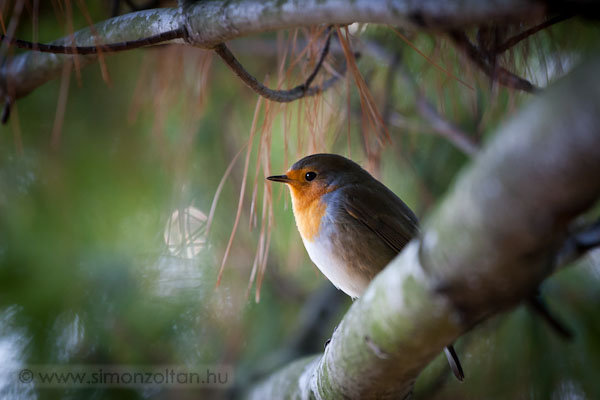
[(98, 41), (260, 254), (367, 102), (61, 105), (2, 23), (432, 62), (71, 31), (138, 91), (242, 188), (213, 206)]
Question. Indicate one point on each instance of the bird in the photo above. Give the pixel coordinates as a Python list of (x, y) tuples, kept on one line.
[(351, 224)]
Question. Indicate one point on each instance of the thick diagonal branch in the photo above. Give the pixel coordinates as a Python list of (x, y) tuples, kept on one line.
[(486, 248)]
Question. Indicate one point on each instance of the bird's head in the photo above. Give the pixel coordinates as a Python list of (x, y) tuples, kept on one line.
[(317, 174)]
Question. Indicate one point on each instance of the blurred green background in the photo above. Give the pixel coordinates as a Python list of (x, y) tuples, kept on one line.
[(107, 189)]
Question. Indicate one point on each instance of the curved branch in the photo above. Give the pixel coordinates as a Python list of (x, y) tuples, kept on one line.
[(443, 283), (282, 96), (178, 33)]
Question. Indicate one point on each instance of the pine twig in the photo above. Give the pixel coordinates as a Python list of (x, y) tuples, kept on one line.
[(87, 50), (495, 72), (282, 96), (511, 42)]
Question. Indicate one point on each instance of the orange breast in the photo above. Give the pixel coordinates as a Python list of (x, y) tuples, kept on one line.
[(308, 211)]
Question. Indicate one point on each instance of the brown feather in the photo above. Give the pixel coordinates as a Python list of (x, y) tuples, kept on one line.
[(382, 212)]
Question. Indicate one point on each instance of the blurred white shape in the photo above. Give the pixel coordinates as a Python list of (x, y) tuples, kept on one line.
[(177, 275), (185, 233), (568, 390), (549, 68), (593, 262), (70, 336), (13, 343), (357, 28)]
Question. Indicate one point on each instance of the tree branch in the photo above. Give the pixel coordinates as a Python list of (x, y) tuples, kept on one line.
[(513, 41), (211, 22), (23, 73), (444, 283), (178, 33), (282, 96), (436, 122), (491, 69)]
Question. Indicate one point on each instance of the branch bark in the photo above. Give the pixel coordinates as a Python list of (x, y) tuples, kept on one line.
[(23, 73), (487, 247), (211, 22)]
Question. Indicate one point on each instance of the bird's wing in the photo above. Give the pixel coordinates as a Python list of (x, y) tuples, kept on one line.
[(381, 211)]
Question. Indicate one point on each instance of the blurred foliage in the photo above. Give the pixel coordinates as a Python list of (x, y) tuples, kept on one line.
[(88, 271)]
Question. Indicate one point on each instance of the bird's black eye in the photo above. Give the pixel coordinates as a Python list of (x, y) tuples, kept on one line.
[(310, 176)]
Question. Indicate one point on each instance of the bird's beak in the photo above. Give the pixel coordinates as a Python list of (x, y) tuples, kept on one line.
[(279, 178)]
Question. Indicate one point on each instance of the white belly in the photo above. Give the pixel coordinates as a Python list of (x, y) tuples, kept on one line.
[(334, 268)]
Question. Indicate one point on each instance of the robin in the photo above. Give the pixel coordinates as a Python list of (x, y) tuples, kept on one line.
[(351, 224)]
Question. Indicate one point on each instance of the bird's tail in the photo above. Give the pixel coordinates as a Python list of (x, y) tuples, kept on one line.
[(454, 362)]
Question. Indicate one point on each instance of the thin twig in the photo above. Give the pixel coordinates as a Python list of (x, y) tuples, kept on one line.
[(511, 42), (324, 53), (445, 128), (282, 96), (436, 122), (495, 72), (440, 125), (429, 59), (86, 50)]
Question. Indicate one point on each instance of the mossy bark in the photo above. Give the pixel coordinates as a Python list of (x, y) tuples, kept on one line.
[(486, 247)]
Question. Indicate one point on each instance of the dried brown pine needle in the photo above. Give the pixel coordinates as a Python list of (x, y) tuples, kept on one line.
[(61, 105), (367, 102), (215, 201), (432, 62), (71, 32), (97, 40), (242, 188)]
